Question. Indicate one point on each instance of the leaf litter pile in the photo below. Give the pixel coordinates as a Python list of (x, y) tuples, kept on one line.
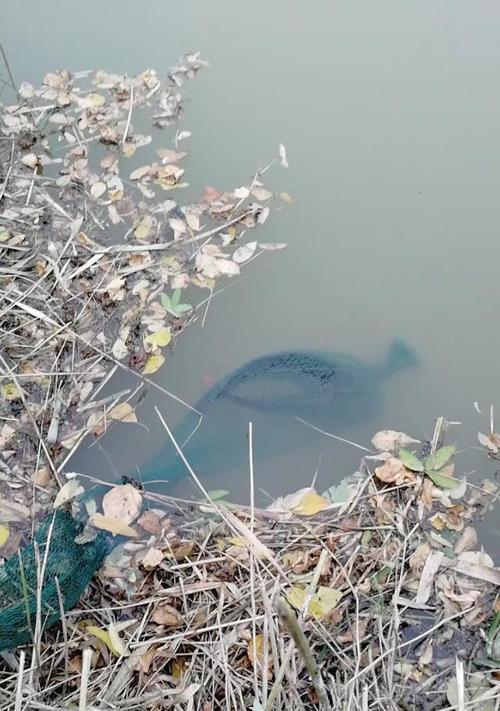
[(374, 594)]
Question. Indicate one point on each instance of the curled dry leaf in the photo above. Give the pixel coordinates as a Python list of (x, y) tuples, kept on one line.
[(394, 472), (491, 441), (467, 540), (305, 502), (71, 489), (152, 558), (167, 615), (150, 522), (122, 502), (391, 440), (243, 253)]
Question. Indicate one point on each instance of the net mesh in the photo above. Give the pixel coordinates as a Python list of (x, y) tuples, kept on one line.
[(64, 562)]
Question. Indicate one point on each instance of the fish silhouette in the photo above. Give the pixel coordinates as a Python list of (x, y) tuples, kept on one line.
[(329, 389)]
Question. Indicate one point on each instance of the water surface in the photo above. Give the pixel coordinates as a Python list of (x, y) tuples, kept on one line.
[(391, 117)]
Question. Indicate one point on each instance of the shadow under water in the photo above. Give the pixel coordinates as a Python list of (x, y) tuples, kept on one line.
[(328, 390)]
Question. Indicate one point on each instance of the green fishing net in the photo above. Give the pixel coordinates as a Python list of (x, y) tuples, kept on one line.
[(67, 563)]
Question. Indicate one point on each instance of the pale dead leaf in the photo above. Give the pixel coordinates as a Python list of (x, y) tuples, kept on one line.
[(119, 350), (467, 540), (123, 412), (391, 440), (113, 525), (431, 567), (98, 189), (283, 158), (71, 489), (139, 173), (243, 253), (261, 193), (152, 558), (143, 227), (122, 502), (167, 616)]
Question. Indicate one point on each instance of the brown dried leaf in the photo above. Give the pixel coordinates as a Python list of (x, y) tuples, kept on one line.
[(467, 540), (150, 522), (167, 616), (394, 472)]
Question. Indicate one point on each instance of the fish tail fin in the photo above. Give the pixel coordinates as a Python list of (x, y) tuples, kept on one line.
[(400, 356)]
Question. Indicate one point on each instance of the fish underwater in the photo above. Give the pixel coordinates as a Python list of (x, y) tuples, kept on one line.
[(327, 389)]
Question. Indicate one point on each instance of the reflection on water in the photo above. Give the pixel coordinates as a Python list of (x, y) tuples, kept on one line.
[(276, 392)]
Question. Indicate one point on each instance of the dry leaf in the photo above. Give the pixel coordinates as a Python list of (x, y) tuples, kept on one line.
[(123, 412), (122, 502), (305, 502), (153, 363), (4, 533), (355, 632), (152, 558), (71, 489), (431, 567), (150, 522), (167, 615), (283, 158), (113, 525), (261, 193), (243, 253), (105, 636), (394, 472), (119, 350), (467, 540), (143, 227), (391, 440), (139, 173), (419, 556), (159, 338), (10, 392), (98, 189), (322, 603)]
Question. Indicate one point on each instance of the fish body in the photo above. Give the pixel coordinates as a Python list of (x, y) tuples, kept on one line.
[(327, 388)]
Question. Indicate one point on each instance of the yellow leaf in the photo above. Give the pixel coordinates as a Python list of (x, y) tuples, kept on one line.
[(178, 669), (287, 198), (159, 338), (143, 227), (104, 636), (113, 525), (153, 363), (241, 542), (96, 99), (4, 533), (123, 412), (322, 604), (255, 648), (10, 392), (310, 504)]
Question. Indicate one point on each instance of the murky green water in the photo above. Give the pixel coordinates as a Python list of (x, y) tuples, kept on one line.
[(391, 116)]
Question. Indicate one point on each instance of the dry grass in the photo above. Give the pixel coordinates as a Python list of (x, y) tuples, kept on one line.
[(204, 628)]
